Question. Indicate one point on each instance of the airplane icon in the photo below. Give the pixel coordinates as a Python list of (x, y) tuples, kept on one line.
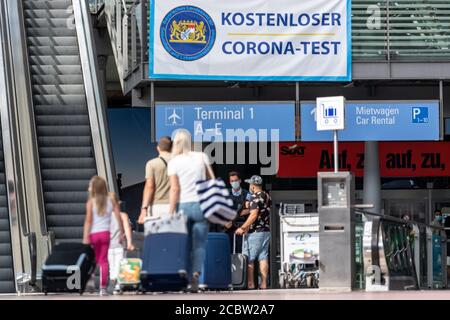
[(174, 116)]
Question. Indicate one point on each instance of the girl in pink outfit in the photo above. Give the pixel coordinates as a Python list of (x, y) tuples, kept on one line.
[(99, 210)]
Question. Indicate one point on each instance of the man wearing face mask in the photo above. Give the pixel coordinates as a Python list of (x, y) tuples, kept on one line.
[(240, 199), (437, 218)]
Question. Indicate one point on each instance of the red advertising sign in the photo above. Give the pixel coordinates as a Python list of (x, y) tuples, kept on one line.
[(397, 159)]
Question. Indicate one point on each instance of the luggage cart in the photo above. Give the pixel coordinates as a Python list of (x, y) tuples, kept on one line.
[(299, 247)]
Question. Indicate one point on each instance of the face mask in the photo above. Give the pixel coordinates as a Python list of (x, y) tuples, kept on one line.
[(439, 218), (235, 185)]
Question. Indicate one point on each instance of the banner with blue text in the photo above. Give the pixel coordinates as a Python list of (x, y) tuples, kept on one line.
[(252, 40)]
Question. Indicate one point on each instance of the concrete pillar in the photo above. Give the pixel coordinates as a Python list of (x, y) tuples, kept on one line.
[(372, 179)]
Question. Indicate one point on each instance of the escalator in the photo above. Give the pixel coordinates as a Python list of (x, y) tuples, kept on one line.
[(6, 262), (65, 141)]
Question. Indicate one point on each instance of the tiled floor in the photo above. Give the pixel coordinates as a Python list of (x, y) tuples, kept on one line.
[(298, 294)]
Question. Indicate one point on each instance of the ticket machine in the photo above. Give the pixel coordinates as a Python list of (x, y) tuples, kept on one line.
[(336, 192)]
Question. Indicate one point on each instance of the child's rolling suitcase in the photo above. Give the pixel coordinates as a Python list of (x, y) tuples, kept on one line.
[(239, 264), (68, 268), (216, 273), (130, 272)]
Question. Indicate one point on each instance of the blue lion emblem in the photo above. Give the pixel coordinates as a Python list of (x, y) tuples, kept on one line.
[(188, 33)]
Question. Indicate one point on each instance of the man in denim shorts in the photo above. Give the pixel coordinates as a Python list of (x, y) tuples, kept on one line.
[(257, 228)]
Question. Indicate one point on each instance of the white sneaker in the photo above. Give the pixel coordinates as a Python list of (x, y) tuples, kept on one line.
[(103, 292), (117, 289)]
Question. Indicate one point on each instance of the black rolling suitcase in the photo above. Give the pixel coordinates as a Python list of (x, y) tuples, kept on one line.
[(239, 264), (68, 268)]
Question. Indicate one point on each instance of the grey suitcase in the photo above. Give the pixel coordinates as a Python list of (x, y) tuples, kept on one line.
[(239, 264)]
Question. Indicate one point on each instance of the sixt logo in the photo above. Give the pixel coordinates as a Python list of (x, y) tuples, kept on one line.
[(188, 33), (294, 150)]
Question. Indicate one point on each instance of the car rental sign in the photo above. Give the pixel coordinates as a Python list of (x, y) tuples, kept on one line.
[(377, 121), (274, 40)]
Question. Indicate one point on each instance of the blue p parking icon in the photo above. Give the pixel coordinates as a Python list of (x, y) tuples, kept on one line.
[(420, 115)]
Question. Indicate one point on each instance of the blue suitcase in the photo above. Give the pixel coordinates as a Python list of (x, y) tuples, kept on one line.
[(216, 273), (164, 260)]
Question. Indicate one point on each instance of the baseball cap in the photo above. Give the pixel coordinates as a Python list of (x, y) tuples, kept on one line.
[(255, 180)]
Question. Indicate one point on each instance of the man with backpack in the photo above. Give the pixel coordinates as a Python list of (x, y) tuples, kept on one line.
[(155, 200)]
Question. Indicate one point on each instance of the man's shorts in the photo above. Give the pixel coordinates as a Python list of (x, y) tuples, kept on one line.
[(256, 246)]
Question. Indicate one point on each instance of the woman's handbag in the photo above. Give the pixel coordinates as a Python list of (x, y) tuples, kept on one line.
[(215, 201)]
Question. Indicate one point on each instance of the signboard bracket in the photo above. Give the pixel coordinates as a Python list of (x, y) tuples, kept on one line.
[(152, 113), (330, 113), (336, 150)]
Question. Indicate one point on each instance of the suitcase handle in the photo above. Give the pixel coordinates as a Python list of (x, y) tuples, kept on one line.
[(234, 242), (139, 227), (136, 250)]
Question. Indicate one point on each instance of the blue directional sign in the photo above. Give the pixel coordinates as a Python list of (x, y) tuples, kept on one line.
[(228, 122), (378, 121)]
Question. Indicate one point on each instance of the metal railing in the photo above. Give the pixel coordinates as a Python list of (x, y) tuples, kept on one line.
[(382, 30), (400, 254)]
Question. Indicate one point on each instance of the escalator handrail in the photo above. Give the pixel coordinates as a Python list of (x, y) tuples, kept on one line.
[(9, 117), (94, 97), (41, 208)]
